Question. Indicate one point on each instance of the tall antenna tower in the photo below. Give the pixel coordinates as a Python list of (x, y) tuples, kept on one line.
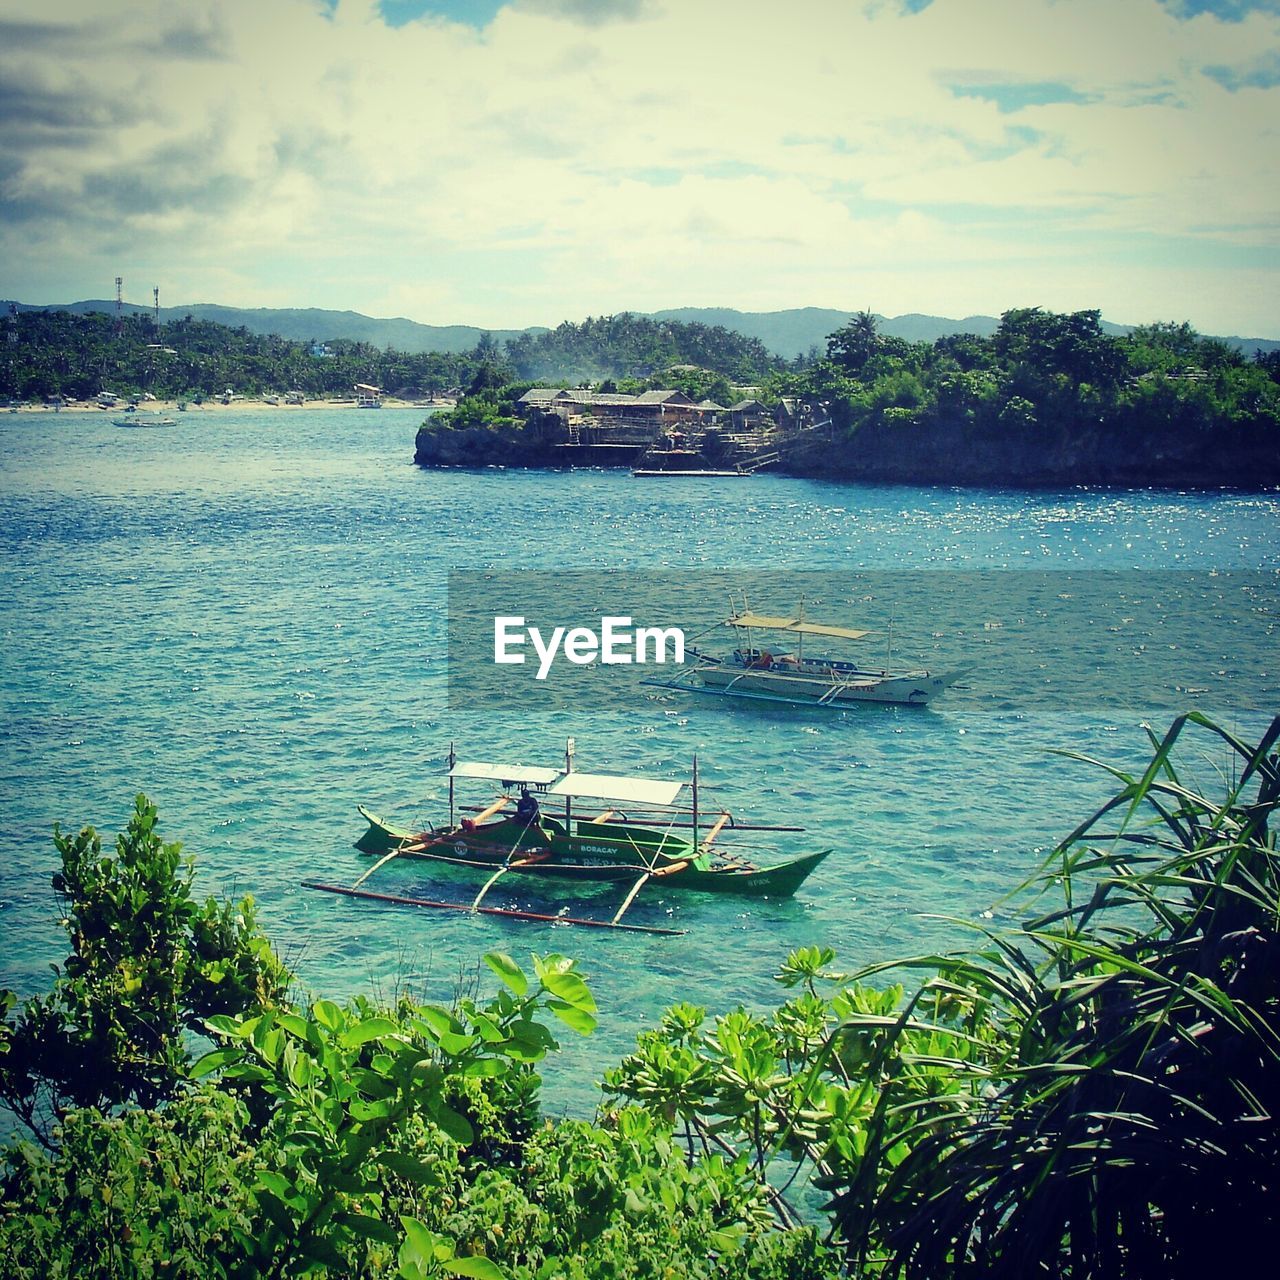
[(119, 303), (155, 294)]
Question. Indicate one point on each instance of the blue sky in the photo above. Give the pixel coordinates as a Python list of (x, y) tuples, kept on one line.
[(526, 162), (479, 13), (475, 13)]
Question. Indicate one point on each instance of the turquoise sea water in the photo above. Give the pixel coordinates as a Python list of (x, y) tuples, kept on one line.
[(245, 617)]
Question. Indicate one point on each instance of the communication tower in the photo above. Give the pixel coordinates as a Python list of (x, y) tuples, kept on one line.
[(155, 294), (119, 303)]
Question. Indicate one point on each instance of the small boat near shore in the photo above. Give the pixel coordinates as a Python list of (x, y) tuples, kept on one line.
[(769, 664), (146, 418), (689, 474), (641, 836)]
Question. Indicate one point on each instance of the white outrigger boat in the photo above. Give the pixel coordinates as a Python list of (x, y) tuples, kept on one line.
[(773, 667)]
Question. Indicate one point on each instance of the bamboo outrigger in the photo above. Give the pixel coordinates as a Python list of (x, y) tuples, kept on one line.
[(652, 839)]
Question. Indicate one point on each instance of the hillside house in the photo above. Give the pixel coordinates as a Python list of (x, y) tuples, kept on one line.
[(749, 415), (650, 409)]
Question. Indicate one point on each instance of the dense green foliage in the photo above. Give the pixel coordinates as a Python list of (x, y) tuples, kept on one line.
[(147, 964), (1093, 1093), (1048, 395), (1063, 365), (630, 346), (76, 356)]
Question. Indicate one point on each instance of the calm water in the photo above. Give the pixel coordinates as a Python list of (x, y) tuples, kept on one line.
[(245, 617)]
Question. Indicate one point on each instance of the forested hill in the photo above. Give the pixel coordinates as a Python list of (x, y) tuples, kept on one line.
[(631, 346), (793, 332), (55, 353), (52, 353), (310, 324)]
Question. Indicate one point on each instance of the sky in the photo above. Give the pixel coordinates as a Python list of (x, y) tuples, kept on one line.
[(506, 163)]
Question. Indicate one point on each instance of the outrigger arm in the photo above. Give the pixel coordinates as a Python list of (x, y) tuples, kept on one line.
[(506, 866), (405, 846), (644, 879), (382, 862), (493, 879), (412, 846)]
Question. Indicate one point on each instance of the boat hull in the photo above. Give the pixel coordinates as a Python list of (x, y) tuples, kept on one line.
[(911, 689), (602, 852)]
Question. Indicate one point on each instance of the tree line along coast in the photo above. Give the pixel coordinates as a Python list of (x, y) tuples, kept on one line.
[(1047, 399)]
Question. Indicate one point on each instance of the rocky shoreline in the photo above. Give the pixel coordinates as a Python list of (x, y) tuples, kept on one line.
[(933, 455)]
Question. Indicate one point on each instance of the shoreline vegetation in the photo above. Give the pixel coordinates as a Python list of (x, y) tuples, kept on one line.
[(1092, 1092), (1048, 400), (210, 405)]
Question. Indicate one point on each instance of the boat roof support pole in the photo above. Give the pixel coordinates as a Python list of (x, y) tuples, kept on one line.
[(569, 746), (694, 789), (453, 760)]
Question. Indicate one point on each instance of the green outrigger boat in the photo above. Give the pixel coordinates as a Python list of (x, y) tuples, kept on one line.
[(652, 839)]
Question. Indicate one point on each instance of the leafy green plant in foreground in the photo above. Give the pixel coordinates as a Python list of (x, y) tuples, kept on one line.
[(147, 964), (358, 1141), (356, 1099), (1093, 1094)]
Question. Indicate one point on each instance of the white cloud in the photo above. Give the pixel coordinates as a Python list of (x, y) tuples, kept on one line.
[(723, 152)]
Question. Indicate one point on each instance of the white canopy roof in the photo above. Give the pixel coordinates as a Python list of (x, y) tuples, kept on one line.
[(587, 786), (766, 622), (525, 775), (599, 786)]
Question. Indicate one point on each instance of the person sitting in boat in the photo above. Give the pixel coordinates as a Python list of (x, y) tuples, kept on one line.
[(527, 808)]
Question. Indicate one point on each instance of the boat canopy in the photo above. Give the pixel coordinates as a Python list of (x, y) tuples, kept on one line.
[(507, 774), (587, 786), (796, 626), (599, 786)]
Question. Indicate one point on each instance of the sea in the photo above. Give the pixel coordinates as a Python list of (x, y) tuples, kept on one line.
[(247, 618)]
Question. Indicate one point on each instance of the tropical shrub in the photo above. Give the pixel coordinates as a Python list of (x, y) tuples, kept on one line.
[(148, 964), (1093, 1094), (313, 1138)]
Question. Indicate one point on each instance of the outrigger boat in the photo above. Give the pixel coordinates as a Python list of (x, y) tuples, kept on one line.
[(778, 670), (651, 840)]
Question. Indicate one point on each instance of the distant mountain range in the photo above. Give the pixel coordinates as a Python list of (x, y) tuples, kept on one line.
[(793, 333), (785, 333), (311, 324)]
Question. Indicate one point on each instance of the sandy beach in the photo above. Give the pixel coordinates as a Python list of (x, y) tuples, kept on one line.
[(215, 405)]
